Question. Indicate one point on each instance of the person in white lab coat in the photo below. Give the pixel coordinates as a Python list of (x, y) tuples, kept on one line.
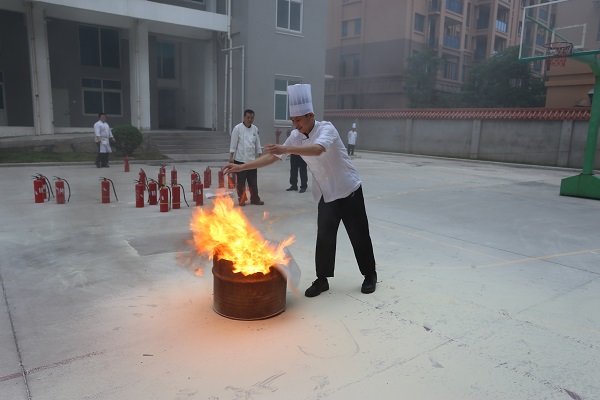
[(103, 137)]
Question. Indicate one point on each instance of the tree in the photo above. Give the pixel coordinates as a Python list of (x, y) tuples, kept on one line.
[(127, 138), (421, 74), (503, 81)]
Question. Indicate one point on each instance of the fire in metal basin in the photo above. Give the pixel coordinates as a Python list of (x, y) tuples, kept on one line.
[(247, 297)]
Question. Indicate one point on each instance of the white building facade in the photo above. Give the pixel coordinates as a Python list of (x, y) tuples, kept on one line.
[(154, 64)]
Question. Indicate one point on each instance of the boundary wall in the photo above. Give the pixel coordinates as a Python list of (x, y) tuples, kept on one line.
[(538, 136)]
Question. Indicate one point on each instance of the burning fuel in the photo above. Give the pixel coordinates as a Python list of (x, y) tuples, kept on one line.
[(225, 233)]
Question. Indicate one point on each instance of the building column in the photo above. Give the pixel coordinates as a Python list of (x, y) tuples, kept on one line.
[(41, 85), (139, 75)]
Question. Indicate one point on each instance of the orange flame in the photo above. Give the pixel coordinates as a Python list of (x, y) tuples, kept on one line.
[(226, 233)]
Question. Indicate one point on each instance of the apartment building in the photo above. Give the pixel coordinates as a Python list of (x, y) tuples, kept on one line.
[(156, 64), (369, 42)]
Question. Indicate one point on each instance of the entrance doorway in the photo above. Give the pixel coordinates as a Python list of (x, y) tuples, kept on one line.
[(167, 109)]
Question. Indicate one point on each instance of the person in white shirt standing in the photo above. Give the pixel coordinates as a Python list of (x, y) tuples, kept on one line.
[(336, 186), (352, 135), (103, 136), (244, 147)]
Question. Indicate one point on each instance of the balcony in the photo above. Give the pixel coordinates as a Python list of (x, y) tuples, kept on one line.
[(501, 26), (452, 42)]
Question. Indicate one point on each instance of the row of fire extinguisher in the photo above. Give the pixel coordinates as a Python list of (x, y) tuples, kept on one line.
[(42, 189), (170, 196), (158, 191)]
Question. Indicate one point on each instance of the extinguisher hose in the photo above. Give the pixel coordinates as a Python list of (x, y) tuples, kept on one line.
[(113, 186), (68, 186), (47, 184), (183, 190)]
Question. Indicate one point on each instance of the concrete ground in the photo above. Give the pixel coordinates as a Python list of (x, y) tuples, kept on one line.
[(489, 288)]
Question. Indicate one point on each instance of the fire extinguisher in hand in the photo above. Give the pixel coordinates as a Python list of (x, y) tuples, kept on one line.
[(59, 189), (105, 184)]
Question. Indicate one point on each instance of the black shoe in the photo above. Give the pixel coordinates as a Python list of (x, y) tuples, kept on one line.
[(257, 203), (291, 188), (317, 287), (302, 190), (369, 283)]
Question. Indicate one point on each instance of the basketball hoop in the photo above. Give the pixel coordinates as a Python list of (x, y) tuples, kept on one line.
[(557, 52)]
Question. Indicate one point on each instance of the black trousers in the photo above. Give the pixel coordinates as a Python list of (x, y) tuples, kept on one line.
[(351, 211), (250, 176), (103, 159), (297, 164)]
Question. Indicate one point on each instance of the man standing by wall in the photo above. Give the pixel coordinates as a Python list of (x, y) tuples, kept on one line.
[(244, 147)]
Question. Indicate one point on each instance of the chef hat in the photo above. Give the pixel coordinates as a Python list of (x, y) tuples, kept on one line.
[(354, 125), (300, 99)]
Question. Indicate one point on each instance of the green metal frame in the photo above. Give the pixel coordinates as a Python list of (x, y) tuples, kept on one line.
[(586, 184)]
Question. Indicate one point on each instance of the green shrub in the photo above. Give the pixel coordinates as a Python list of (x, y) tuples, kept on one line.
[(128, 138)]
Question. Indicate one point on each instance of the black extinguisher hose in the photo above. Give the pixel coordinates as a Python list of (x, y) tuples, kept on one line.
[(113, 186), (68, 186), (183, 190), (47, 184)]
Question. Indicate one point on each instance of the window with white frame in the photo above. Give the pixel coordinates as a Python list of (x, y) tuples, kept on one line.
[(101, 95), (289, 15), (99, 46), (281, 110)]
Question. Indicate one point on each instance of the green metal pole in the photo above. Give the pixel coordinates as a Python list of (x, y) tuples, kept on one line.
[(592, 138)]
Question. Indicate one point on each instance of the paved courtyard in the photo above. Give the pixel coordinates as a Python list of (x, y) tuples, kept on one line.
[(489, 288)]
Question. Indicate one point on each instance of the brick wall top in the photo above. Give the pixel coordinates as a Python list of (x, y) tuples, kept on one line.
[(539, 114)]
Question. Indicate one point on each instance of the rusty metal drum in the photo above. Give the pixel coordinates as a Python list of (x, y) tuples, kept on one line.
[(247, 297)]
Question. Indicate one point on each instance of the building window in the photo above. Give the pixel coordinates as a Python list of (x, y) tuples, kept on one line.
[(165, 60), (101, 95), (281, 100), (289, 15), (349, 65), (419, 23), (455, 6), (451, 67), (351, 27), (99, 46)]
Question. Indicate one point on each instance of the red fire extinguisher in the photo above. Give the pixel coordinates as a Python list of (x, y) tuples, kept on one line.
[(139, 194), (126, 164), (165, 197), (231, 179), (176, 196), (105, 184), (162, 176), (199, 194), (39, 189), (152, 192), (59, 189), (221, 178), (143, 178), (207, 177), (173, 176), (194, 177)]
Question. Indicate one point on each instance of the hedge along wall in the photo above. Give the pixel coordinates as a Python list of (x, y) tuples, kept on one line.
[(540, 136)]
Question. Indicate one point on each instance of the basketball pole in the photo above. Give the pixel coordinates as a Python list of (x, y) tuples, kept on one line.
[(586, 184)]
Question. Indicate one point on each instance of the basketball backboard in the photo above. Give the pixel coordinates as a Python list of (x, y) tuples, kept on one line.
[(551, 27)]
